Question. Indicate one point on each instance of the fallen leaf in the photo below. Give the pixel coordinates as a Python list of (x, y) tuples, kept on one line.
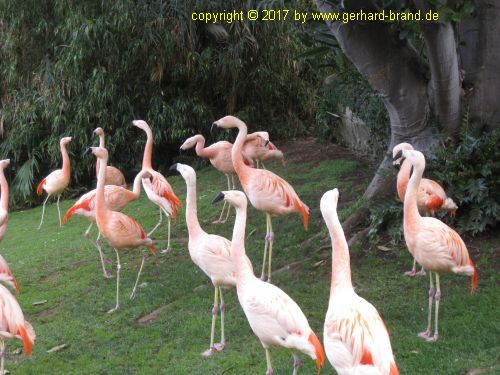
[(57, 348), (36, 303), (383, 248), (476, 371)]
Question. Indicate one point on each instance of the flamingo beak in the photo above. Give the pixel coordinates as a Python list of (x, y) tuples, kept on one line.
[(173, 170), (87, 152), (218, 198), (214, 127), (266, 142)]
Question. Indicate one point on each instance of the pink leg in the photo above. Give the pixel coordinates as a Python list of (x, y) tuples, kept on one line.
[(413, 271)]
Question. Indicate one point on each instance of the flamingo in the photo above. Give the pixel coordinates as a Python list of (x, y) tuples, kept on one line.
[(355, 338), (4, 199), (210, 252), (113, 175), (121, 231), (431, 196), (157, 188), (6, 275), (13, 325), (258, 148), (434, 245), (274, 317), (56, 181), (116, 198), (266, 191)]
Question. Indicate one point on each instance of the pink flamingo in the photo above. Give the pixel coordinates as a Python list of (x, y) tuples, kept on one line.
[(211, 253), (121, 231), (4, 199), (13, 325), (56, 181), (258, 148), (434, 245), (113, 175), (6, 275), (116, 198), (266, 191), (157, 188), (355, 338), (274, 317), (431, 196)]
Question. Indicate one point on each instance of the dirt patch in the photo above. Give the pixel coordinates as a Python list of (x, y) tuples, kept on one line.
[(154, 315), (47, 313)]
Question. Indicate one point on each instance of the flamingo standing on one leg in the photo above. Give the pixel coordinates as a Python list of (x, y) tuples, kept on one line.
[(157, 188), (113, 175), (266, 191), (116, 198), (121, 231), (211, 253), (13, 325), (434, 245), (356, 340), (4, 199), (274, 317), (56, 181), (431, 196), (258, 148)]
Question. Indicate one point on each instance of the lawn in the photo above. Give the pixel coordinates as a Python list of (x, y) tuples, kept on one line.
[(65, 297)]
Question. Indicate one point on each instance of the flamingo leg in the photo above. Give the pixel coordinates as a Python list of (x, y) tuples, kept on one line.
[(257, 163), (98, 245), (134, 291), (118, 267), (168, 248), (211, 349), (421, 272), (266, 244), (262, 165), (2, 356), (296, 364), (157, 225), (219, 346), (268, 360), (87, 232), (43, 211), (219, 220), (427, 333), (271, 240), (234, 184), (437, 297), (59, 210), (413, 271)]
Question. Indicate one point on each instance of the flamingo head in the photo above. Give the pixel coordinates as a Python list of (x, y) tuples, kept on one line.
[(190, 142), (65, 140), (329, 201), (397, 149), (98, 131), (141, 124), (99, 152), (414, 157), (235, 198), (227, 122), (187, 173), (4, 163)]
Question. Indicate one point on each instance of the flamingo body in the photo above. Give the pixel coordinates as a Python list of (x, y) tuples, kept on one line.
[(113, 175), (4, 199), (6, 275)]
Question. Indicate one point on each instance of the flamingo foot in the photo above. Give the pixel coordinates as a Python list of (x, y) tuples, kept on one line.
[(269, 280), (411, 273), (114, 309), (167, 250), (218, 222), (107, 275), (425, 334), (263, 277), (219, 346), (208, 353), (86, 235), (432, 338), (269, 371), (421, 272)]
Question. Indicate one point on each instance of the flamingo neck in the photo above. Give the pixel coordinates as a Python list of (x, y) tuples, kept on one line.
[(243, 269), (200, 145), (101, 141), (136, 188), (236, 151), (403, 177), (411, 214), (100, 205), (341, 267), (4, 186), (192, 222), (148, 150), (65, 161)]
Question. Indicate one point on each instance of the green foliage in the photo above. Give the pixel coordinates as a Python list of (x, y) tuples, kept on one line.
[(386, 217), (470, 172), (70, 66)]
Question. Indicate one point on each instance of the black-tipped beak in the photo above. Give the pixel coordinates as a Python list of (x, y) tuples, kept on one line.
[(218, 198), (214, 127), (87, 152), (399, 155), (181, 151), (266, 143), (173, 170)]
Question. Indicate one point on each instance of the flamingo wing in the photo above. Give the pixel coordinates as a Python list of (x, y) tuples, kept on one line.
[(124, 232), (6, 275), (160, 186), (85, 203)]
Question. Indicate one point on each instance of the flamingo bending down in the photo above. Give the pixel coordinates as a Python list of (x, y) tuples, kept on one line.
[(13, 325), (356, 340), (266, 191), (258, 148), (121, 231), (4, 199), (157, 188), (113, 175), (211, 253), (434, 245), (116, 198), (431, 196), (56, 181), (274, 317)]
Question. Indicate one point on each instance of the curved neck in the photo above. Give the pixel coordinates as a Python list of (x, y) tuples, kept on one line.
[(136, 188), (200, 145), (243, 269), (341, 267), (410, 203), (100, 206), (101, 141), (236, 155), (192, 222), (403, 177), (148, 150), (65, 157), (4, 186)]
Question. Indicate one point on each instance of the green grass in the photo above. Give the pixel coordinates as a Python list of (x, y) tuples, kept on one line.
[(59, 266)]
